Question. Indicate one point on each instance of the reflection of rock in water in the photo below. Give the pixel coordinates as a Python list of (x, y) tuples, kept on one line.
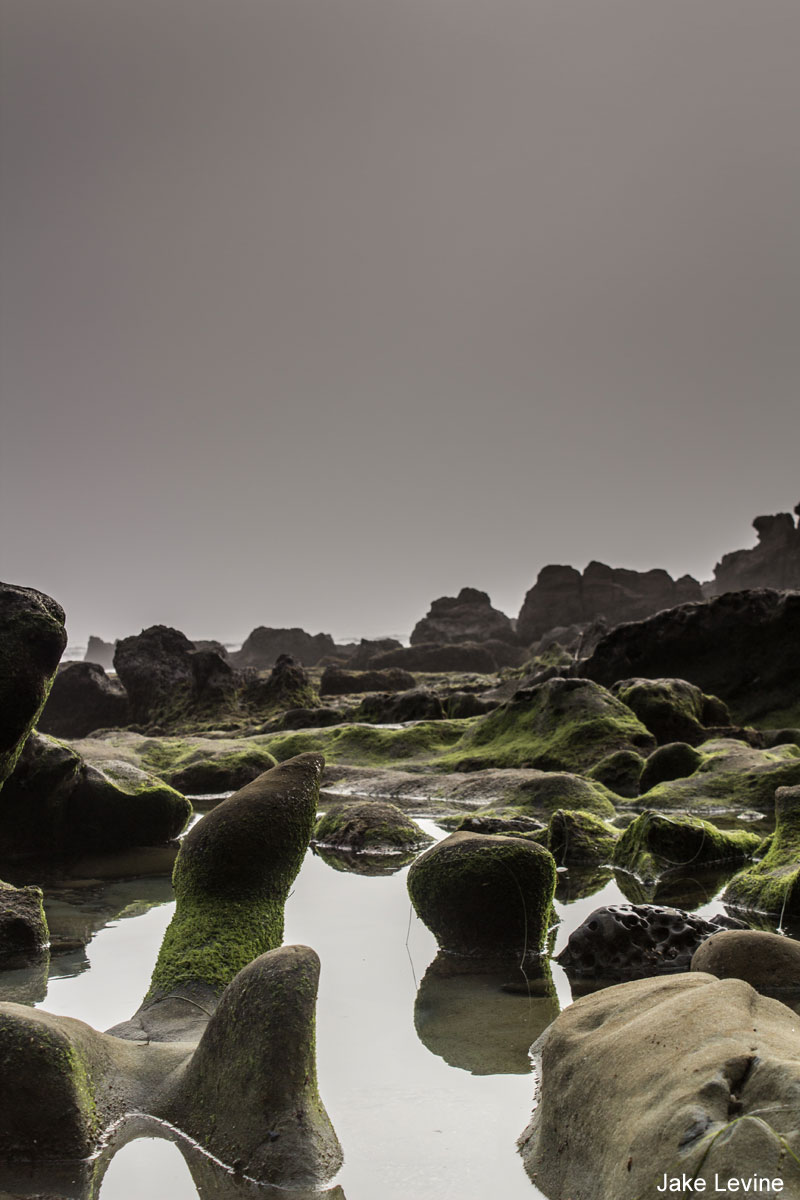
[(364, 864), (464, 1015), (576, 883), (25, 985), (687, 891)]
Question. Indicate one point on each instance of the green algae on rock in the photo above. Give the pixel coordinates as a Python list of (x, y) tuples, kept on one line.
[(483, 895), (580, 838), (731, 777), (674, 760), (370, 745), (32, 640), (773, 884), (233, 875), (620, 772), (558, 725), (371, 826), (674, 710), (654, 845)]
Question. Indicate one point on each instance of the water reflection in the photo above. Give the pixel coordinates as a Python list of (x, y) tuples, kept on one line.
[(364, 864)]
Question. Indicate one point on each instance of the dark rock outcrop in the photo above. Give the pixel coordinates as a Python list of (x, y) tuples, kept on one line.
[(467, 617), (82, 699), (287, 686), (264, 646), (32, 640), (336, 681), (366, 650), (429, 656), (773, 563), (743, 647), (100, 652), (166, 678), (23, 927), (672, 709), (421, 704), (564, 596)]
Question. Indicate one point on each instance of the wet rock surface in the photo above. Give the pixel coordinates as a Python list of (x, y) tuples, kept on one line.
[(369, 826), (24, 935)]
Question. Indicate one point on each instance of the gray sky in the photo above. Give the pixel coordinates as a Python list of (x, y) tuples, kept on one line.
[(315, 311)]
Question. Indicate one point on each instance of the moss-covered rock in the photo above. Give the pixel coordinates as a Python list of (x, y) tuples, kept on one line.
[(558, 725), (23, 926), (202, 765), (485, 895), (575, 838), (233, 875), (773, 884), (288, 685), (369, 826), (32, 640), (249, 1092), (672, 709), (336, 681), (675, 760), (56, 804), (370, 745), (731, 777), (420, 704), (654, 845), (620, 772)]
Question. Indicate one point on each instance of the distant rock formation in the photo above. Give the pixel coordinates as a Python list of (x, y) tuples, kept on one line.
[(264, 647), (100, 652), (773, 563), (564, 596), (467, 617)]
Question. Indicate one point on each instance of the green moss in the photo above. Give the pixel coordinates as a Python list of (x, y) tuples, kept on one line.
[(773, 884), (672, 709), (580, 838), (732, 776), (485, 894), (371, 825), (654, 845), (370, 745), (202, 765), (620, 772)]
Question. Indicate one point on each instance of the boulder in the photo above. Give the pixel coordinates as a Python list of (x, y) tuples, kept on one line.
[(338, 682), (420, 704), (82, 699), (767, 961), (100, 652), (773, 563), (309, 718), (24, 935), (264, 646), (743, 647), (484, 823), (369, 826), (631, 941), (773, 884), (687, 1078), (32, 640), (467, 704), (564, 596), (559, 725), (57, 804), (620, 772), (672, 709), (655, 844), (434, 657), (675, 760), (580, 838), (485, 895), (365, 651), (287, 686), (467, 617), (165, 678), (731, 777)]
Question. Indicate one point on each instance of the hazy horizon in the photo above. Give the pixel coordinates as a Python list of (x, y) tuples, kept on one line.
[(313, 312)]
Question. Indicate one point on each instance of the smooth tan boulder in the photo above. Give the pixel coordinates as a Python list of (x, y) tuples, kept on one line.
[(768, 962)]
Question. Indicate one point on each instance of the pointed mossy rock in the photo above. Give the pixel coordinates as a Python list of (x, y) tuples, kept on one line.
[(372, 826), (32, 640), (731, 777), (558, 725), (233, 875), (248, 1095), (773, 884), (654, 845), (672, 709), (57, 804), (580, 838), (483, 895)]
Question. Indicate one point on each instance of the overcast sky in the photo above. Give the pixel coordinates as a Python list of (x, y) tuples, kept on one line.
[(314, 311)]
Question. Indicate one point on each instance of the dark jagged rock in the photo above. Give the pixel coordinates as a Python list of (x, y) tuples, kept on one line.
[(773, 563), (336, 681), (673, 709), (100, 652), (366, 650), (421, 704), (264, 646), (287, 686), (485, 895), (372, 826), (82, 699), (631, 941), (432, 657), (654, 845), (23, 927), (165, 678), (32, 640), (562, 596), (56, 804), (743, 647), (467, 617), (693, 1078)]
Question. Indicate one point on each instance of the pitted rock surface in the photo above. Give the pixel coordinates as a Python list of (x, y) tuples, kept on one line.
[(632, 941)]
